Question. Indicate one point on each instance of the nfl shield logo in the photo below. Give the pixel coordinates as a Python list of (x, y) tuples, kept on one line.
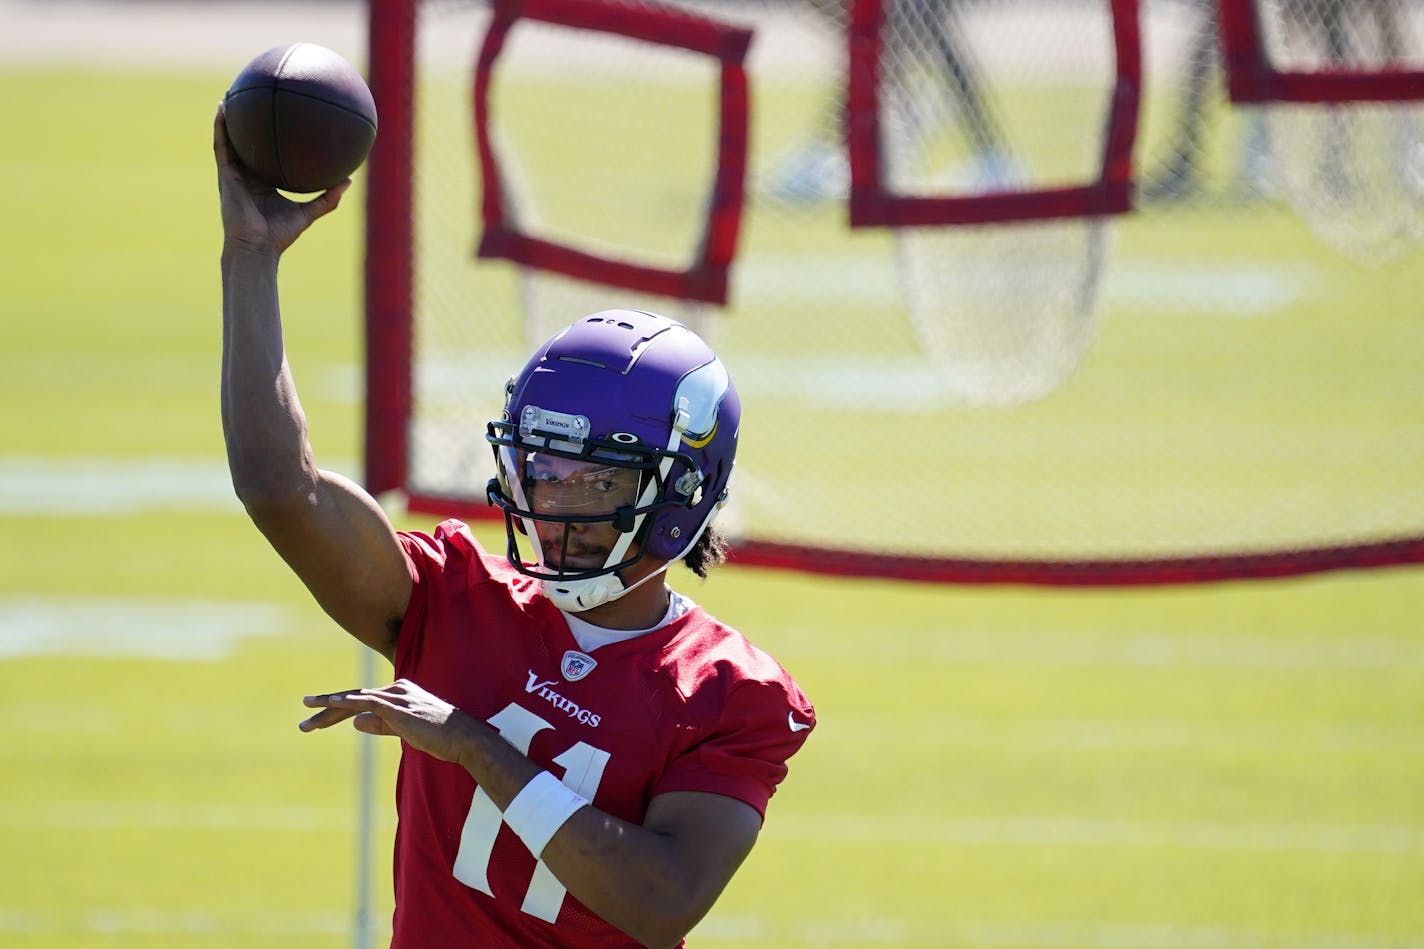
[(577, 665)]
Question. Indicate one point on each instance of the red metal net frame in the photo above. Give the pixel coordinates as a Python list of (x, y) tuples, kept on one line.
[(705, 279), (1252, 78), (873, 205)]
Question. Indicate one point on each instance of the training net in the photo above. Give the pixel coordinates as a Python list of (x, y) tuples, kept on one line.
[(1340, 89), (1011, 291)]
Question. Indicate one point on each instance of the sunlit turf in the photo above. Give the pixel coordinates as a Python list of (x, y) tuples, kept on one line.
[(1235, 765)]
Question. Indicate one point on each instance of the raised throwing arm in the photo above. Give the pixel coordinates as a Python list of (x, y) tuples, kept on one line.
[(328, 529)]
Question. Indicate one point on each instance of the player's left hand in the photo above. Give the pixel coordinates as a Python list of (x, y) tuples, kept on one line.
[(402, 709)]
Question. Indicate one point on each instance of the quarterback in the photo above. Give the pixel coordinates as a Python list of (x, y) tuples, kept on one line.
[(587, 755)]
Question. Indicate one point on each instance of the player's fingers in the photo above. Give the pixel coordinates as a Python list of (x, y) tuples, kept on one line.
[(222, 145), (230, 170), (326, 202), (354, 699), (372, 724), (324, 700), (339, 706), (326, 718)]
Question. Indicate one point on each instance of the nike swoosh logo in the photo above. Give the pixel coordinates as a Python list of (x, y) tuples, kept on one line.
[(795, 725)]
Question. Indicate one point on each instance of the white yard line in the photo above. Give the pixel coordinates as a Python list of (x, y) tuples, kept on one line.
[(848, 828), (47, 486), (823, 931), (899, 932), (916, 648), (181, 630), (1070, 831), (163, 35), (1168, 287), (151, 921), (39, 486), (170, 815), (1133, 735)]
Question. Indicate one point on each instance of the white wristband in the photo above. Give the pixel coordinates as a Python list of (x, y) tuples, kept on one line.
[(540, 808)]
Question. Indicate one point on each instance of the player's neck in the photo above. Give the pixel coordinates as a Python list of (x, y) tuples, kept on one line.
[(641, 608)]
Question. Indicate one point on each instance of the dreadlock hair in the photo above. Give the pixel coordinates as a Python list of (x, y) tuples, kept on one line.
[(709, 551)]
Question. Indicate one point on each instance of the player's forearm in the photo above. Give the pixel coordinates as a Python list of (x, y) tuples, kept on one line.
[(630, 876), (263, 425)]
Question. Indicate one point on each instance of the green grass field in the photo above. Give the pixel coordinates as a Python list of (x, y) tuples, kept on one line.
[(1230, 766)]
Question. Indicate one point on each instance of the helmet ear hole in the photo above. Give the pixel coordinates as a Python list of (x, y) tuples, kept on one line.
[(688, 485)]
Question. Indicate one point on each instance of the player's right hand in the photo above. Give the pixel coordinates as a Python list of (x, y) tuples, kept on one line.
[(403, 710), (255, 216)]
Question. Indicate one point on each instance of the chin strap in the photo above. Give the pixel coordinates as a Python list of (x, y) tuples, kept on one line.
[(576, 596)]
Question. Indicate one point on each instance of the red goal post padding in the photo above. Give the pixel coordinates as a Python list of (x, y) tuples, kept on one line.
[(705, 278), (390, 247), (1251, 76)]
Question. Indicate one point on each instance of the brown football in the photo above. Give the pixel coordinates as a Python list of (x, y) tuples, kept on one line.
[(300, 117)]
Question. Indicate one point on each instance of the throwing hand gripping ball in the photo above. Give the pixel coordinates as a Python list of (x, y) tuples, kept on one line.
[(300, 117)]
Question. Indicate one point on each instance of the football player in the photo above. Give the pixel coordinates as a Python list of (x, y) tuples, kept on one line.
[(588, 755)]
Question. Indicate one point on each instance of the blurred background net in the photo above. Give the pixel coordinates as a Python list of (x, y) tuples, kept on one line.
[(1232, 369), (1355, 171)]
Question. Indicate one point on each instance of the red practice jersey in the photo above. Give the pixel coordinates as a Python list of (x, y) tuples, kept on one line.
[(692, 706)]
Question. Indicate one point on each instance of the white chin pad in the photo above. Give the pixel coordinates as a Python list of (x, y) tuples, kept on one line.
[(575, 596), (579, 595)]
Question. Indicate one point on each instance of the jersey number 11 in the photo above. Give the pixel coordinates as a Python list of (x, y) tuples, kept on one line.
[(583, 768)]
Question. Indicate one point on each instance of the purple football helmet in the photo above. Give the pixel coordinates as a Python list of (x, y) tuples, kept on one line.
[(619, 389)]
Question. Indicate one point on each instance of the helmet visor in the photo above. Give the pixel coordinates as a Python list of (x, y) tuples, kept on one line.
[(558, 487)]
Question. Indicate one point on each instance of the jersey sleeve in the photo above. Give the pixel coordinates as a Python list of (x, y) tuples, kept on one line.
[(743, 753), (434, 561)]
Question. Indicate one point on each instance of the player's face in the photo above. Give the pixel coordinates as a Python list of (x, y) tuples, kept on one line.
[(561, 487)]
